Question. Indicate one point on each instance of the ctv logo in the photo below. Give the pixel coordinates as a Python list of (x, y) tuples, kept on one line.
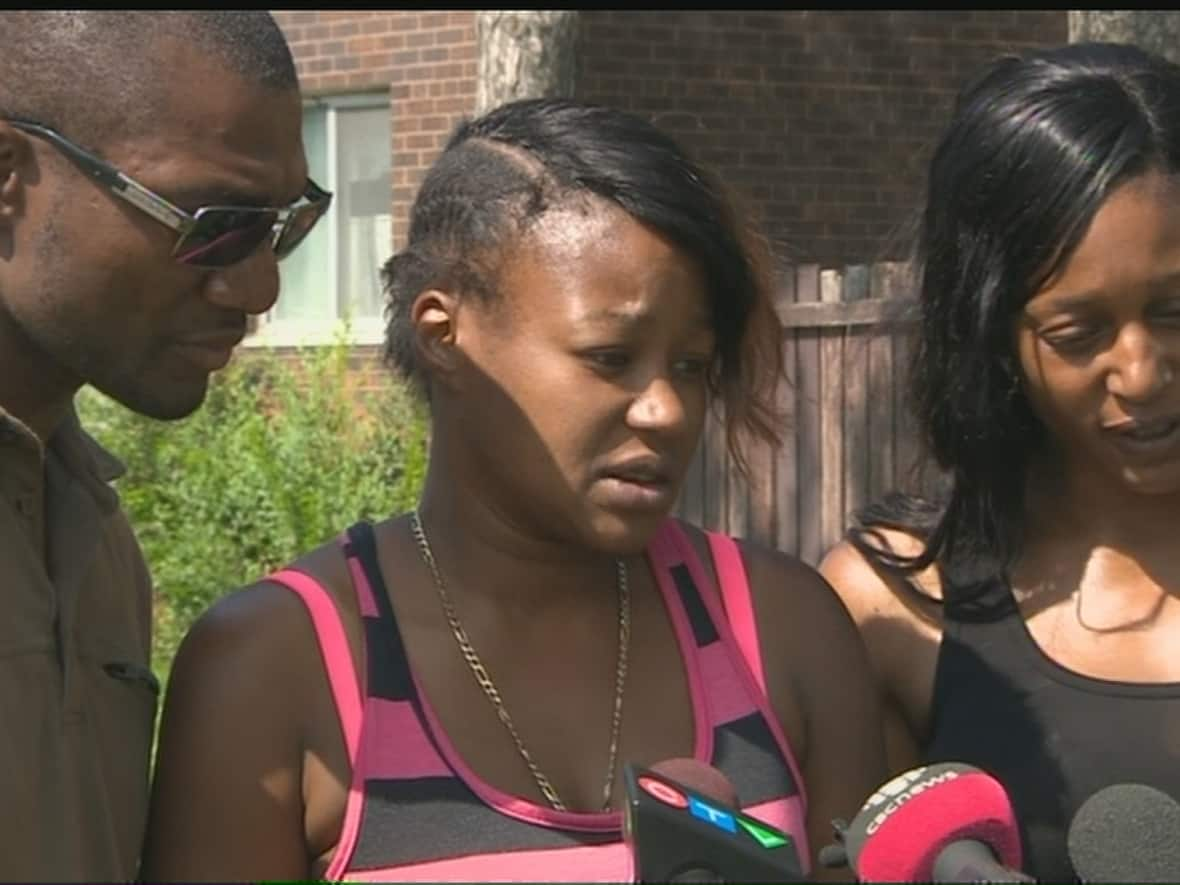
[(713, 814)]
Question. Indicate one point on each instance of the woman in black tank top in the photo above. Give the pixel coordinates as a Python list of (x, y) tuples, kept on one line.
[(1025, 618)]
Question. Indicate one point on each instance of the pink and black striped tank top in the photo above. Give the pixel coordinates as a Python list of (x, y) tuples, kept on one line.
[(416, 812)]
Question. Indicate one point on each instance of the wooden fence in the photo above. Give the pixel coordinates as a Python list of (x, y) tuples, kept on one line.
[(847, 436)]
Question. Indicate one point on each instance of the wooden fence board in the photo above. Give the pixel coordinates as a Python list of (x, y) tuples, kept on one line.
[(855, 367), (831, 420), (834, 313), (847, 437), (807, 437), (882, 429), (786, 461)]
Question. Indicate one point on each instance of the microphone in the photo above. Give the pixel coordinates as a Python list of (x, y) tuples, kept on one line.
[(696, 775), (939, 823), (1126, 833), (682, 823)]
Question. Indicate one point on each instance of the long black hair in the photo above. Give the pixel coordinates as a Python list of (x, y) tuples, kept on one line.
[(502, 171), (1035, 146)]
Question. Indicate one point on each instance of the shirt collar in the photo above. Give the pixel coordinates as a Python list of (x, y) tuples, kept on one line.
[(76, 449)]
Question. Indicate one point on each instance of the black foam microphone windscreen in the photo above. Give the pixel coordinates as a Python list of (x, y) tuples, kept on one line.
[(1126, 833)]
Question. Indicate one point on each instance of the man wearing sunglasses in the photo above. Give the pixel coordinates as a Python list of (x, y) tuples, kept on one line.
[(152, 175)]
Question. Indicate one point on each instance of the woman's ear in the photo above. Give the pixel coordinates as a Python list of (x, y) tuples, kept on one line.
[(435, 315)]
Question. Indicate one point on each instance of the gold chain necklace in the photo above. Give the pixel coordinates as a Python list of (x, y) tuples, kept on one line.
[(480, 672)]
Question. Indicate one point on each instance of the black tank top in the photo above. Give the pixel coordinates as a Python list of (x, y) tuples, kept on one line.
[(1052, 736)]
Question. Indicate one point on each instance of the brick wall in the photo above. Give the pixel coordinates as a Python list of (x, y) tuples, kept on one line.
[(821, 120), (424, 58)]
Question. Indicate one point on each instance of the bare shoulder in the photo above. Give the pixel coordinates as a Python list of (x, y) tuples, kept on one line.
[(804, 630), (778, 574), (247, 702), (252, 622), (799, 615), (782, 585), (264, 630), (900, 619), (870, 591), (265, 611)]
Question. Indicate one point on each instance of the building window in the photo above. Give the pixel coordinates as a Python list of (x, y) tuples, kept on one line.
[(331, 283)]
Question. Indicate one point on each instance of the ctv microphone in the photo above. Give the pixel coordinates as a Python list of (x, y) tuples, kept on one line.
[(682, 824), (1126, 833), (940, 823)]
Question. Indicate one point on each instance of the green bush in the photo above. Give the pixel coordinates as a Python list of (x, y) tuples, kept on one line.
[(285, 453)]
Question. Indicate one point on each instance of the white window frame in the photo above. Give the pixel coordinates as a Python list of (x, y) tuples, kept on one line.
[(273, 331)]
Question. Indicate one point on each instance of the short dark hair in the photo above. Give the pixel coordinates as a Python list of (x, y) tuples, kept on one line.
[(92, 74), (506, 168), (1035, 146)]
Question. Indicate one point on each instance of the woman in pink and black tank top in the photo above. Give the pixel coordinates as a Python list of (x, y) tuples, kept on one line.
[(451, 694)]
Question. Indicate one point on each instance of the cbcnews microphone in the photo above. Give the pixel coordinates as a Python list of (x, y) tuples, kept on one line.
[(682, 824), (940, 823), (1126, 833)]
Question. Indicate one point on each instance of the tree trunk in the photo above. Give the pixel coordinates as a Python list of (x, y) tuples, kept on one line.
[(1157, 32), (525, 55)]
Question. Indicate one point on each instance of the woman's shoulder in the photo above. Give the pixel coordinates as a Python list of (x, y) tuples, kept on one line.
[(808, 644), (899, 616), (756, 555), (265, 621), (788, 595), (251, 660), (862, 573), (793, 595)]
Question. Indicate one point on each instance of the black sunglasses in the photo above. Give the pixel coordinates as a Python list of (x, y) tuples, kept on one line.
[(213, 236)]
